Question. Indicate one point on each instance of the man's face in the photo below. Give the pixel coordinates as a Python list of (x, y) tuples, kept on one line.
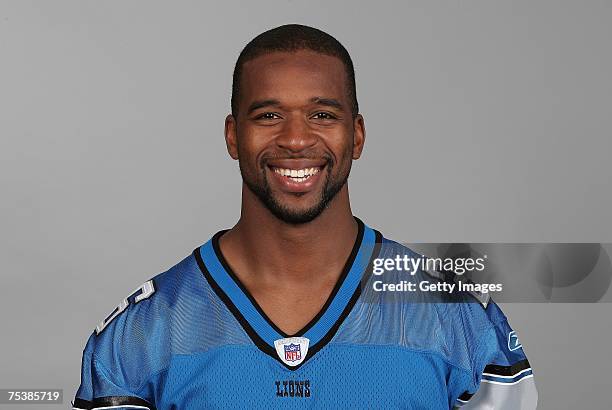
[(294, 134)]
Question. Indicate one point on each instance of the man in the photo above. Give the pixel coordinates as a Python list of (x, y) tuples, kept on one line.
[(279, 311)]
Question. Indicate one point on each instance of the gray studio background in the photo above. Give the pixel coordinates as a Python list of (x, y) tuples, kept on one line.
[(488, 121)]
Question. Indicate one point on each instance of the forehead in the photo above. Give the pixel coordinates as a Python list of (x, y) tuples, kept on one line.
[(302, 73)]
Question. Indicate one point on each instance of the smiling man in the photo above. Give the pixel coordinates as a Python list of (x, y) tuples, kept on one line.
[(280, 311)]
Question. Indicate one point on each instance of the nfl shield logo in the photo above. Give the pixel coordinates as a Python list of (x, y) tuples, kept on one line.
[(292, 352)]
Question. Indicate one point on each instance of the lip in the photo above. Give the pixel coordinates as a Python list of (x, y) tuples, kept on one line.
[(288, 185)]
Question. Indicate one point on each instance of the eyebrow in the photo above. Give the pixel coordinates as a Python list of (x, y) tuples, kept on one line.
[(261, 104), (329, 102)]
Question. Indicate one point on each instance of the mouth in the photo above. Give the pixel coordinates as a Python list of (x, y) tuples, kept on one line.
[(296, 176)]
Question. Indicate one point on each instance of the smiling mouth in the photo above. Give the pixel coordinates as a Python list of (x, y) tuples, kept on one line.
[(297, 175)]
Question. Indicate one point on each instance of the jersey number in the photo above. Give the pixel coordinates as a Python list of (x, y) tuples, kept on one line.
[(142, 293)]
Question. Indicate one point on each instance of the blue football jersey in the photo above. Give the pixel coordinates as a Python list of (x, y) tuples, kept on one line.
[(194, 338)]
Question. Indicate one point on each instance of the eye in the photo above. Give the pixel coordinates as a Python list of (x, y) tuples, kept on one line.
[(268, 116), (324, 116)]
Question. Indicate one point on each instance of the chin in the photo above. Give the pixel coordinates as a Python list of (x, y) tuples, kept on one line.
[(296, 216)]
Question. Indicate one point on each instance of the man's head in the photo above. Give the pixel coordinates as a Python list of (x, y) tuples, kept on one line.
[(295, 127)]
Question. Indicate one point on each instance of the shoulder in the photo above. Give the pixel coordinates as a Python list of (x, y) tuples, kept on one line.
[(131, 343), (470, 327), (453, 318), (149, 300)]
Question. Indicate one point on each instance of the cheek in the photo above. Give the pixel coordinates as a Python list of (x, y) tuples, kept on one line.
[(343, 148), (249, 148)]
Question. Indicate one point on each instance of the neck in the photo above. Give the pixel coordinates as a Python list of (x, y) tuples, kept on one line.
[(277, 250)]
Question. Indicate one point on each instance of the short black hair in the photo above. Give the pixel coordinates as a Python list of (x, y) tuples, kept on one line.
[(294, 37)]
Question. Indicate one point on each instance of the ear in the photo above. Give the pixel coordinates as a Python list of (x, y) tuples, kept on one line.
[(231, 140), (358, 136)]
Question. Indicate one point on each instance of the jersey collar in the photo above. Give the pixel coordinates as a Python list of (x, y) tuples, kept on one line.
[(258, 326)]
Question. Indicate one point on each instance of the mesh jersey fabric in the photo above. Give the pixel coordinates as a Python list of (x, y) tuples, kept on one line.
[(197, 342)]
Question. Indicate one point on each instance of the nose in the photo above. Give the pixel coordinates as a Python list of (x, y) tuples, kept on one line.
[(296, 135)]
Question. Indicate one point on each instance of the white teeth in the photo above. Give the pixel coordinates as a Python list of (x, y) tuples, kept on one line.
[(297, 175)]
